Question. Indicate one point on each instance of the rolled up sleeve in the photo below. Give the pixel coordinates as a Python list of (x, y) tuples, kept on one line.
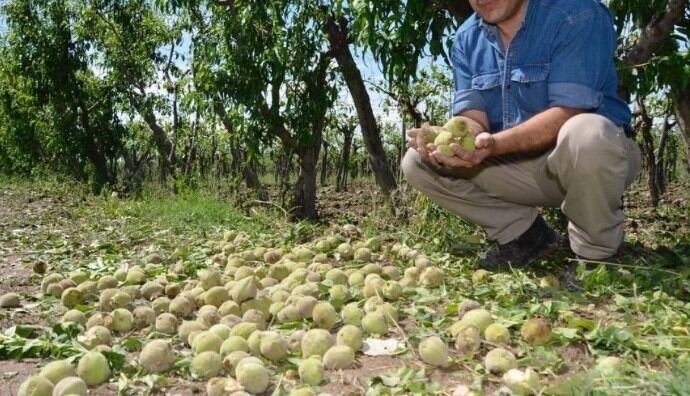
[(581, 58), (465, 98)]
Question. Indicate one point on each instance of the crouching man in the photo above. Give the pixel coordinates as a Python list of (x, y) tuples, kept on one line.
[(536, 83)]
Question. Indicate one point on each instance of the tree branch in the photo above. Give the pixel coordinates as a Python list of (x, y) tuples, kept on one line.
[(654, 34)]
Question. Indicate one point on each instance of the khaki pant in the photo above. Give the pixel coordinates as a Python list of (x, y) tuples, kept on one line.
[(585, 174)]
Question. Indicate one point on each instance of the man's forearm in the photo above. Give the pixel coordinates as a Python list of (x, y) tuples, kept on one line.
[(536, 134)]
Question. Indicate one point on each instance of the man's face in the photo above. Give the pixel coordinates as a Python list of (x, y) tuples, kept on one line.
[(496, 11)]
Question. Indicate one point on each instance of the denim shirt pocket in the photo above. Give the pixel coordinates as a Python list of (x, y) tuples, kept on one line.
[(489, 86), (530, 87)]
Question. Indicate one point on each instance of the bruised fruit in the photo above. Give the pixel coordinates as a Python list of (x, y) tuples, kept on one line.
[(35, 386), (316, 342), (206, 365), (434, 351), (144, 316), (93, 368), (499, 361), (339, 357), (467, 338), (157, 356), (71, 297), (181, 307), (166, 323), (536, 331)]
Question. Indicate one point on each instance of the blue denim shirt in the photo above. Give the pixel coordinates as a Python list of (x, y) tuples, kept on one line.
[(562, 55)]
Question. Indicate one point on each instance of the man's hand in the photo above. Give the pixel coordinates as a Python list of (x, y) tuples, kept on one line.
[(483, 142), (423, 152)]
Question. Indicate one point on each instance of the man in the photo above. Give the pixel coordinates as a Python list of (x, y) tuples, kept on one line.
[(536, 82)]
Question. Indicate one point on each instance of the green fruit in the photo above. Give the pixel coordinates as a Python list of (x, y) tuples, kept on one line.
[(351, 336), (456, 126), (209, 278), (157, 356), (431, 277), (445, 150), (363, 254), (479, 317), (70, 386), (467, 338), (338, 295), (273, 346), (93, 368), (324, 315), (536, 331), (135, 277), (160, 305), (216, 296), (122, 320), (253, 377), (151, 290), (392, 290), (232, 359), (444, 138), (351, 314), (166, 323), (206, 365), (119, 300), (550, 282), (96, 335), (221, 331), (107, 282), (294, 340), (181, 307), (206, 341), (434, 351), (467, 143), (50, 279), (57, 370), (497, 334), (232, 344), (305, 306), (339, 357), (245, 289), (71, 297), (208, 315), (35, 386), (608, 365), (345, 251), (244, 329), (229, 308), (187, 327), (9, 300), (311, 371), (302, 392), (316, 342), (74, 315), (499, 361), (480, 275), (522, 382), (375, 323), (144, 316)]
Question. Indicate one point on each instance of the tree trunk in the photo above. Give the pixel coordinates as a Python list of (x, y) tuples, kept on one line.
[(248, 172), (645, 128), (682, 110), (337, 32), (341, 178), (324, 164), (304, 196), (660, 161)]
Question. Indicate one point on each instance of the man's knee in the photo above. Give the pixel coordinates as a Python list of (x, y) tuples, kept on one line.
[(590, 142)]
